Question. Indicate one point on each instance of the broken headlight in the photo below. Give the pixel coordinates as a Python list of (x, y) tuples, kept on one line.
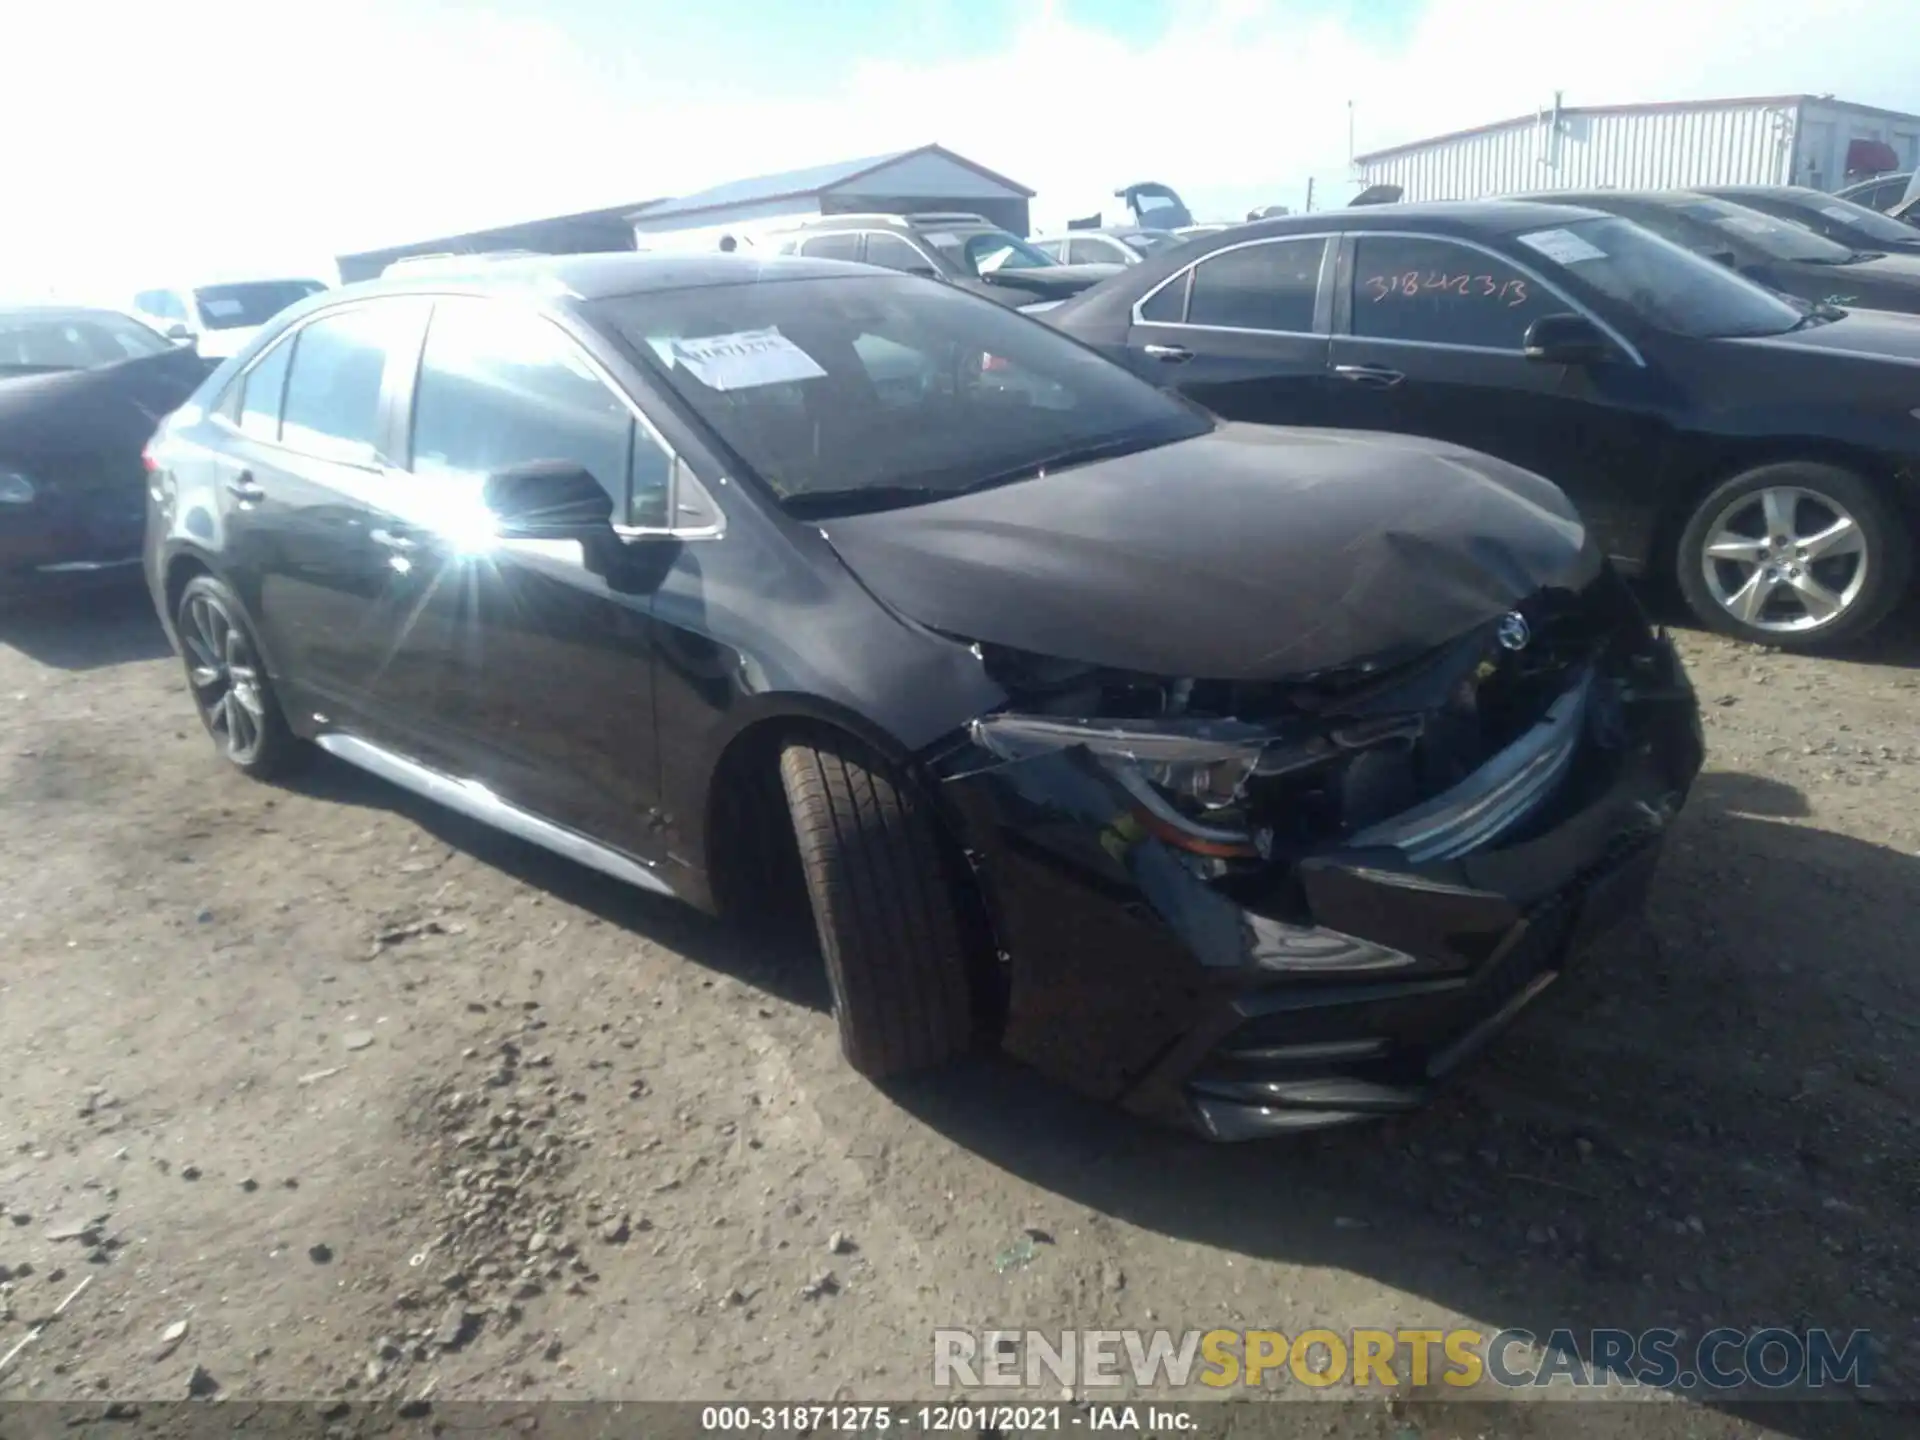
[(1190, 780)]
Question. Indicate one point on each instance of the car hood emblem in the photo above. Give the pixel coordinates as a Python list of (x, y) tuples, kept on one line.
[(1514, 632)]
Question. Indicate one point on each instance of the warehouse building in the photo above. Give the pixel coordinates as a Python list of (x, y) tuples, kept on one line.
[(924, 179), (1770, 140), (586, 233)]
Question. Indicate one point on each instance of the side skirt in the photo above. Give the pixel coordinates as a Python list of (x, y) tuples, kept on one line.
[(477, 802)]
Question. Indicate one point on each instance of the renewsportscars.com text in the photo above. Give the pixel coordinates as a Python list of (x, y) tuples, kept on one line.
[(1768, 1358)]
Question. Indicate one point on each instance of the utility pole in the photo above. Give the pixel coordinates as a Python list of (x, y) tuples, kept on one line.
[(1309, 209)]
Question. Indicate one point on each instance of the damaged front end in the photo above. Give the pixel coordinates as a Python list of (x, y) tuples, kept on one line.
[(1254, 907)]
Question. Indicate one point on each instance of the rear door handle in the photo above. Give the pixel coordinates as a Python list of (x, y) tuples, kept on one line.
[(399, 544), (1377, 376), (244, 488), (1168, 354)]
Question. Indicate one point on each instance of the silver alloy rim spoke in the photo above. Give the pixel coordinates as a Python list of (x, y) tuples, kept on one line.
[(1769, 581), (224, 678)]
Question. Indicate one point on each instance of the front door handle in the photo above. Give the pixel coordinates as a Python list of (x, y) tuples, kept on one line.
[(399, 544), (1379, 377), (244, 488), (1168, 354)]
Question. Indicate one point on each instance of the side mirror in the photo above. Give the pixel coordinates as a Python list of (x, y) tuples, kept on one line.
[(548, 500), (1566, 340), (178, 331), (1723, 257)]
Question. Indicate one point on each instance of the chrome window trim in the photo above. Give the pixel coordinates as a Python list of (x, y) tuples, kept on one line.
[(1632, 350), (1326, 259)]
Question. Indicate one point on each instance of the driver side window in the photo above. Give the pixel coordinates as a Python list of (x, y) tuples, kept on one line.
[(500, 386)]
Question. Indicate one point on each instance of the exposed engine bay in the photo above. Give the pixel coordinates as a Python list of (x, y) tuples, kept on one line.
[(1239, 773)]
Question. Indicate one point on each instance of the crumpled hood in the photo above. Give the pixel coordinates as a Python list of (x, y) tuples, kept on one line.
[(1251, 553)]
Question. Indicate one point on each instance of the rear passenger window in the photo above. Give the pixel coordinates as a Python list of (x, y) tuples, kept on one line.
[(1440, 293), (832, 247), (332, 405), (1271, 285), (261, 391), (1168, 304)]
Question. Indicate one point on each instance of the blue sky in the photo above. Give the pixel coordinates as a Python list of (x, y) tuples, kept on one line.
[(204, 138)]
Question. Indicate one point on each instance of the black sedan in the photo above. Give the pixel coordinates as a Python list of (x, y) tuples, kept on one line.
[(1783, 255), (1250, 776), (1764, 452), (1854, 227), (81, 390)]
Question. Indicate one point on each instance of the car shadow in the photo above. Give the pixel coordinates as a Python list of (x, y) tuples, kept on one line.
[(85, 630), (1708, 1122), (786, 966)]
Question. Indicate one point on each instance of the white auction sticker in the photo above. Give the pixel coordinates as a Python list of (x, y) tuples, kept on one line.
[(1563, 245), (745, 359)]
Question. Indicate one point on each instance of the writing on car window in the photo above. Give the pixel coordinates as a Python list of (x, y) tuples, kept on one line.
[(1511, 291)]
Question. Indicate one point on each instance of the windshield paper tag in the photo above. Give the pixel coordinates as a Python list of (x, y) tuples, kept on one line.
[(745, 359), (222, 308), (1563, 245)]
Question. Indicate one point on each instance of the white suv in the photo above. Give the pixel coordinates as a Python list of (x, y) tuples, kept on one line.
[(219, 319)]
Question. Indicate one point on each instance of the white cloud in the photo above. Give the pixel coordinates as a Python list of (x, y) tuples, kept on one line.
[(219, 135)]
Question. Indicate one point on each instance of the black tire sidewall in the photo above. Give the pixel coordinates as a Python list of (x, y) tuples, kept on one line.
[(1889, 552)]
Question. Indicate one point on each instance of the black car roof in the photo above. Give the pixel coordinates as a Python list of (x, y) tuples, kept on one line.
[(61, 312), (1467, 217), (600, 277), (1600, 199)]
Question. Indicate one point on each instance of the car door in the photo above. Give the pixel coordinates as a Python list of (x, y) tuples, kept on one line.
[(307, 492), (1429, 340), (543, 668), (1243, 331)]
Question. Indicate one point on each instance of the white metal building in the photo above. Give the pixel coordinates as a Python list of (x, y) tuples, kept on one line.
[(928, 178), (1770, 140)]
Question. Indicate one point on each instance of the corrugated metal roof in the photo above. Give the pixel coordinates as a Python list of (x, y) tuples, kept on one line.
[(1650, 108), (799, 184)]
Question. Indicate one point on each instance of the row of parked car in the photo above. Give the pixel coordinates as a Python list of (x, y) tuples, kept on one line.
[(1218, 689)]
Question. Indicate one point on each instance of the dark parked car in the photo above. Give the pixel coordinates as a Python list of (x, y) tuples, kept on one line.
[(81, 390), (1780, 254), (1854, 227), (1250, 776), (964, 250), (1885, 193), (1761, 450)]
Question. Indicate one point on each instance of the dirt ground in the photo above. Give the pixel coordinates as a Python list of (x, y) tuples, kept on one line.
[(329, 1092)]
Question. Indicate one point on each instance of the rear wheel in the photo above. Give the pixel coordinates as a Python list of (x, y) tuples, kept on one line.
[(229, 683), (1797, 554), (887, 905)]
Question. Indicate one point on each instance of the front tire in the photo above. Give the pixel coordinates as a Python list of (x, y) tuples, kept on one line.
[(1798, 554), (229, 684), (887, 906)]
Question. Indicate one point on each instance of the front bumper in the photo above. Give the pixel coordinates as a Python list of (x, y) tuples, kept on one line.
[(1350, 987)]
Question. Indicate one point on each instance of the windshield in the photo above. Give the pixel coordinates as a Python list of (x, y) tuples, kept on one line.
[(232, 307), (73, 341), (856, 393), (1664, 284), (1871, 225), (1782, 239), (981, 252)]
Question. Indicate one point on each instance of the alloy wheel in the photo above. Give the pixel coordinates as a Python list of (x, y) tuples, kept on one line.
[(225, 676), (1785, 559)]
